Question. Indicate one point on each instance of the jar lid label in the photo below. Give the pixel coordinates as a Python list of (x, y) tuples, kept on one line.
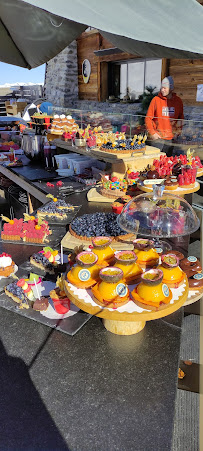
[(159, 250), (165, 290), (121, 290), (192, 259), (198, 276), (84, 275)]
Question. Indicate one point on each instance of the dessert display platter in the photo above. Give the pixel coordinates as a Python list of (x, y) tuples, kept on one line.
[(193, 296), (129, 318), (180, 191), (108, 156), (40, 296)]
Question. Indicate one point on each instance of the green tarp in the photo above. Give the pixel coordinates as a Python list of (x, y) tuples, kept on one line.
[(31, 36)]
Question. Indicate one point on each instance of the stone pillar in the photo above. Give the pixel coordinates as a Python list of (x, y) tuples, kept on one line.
[(61, 81)]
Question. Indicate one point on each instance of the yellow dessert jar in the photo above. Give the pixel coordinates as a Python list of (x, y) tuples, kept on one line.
[(172, 273), (112, 289), (146, 254), (85, 273), (103, 250), (127, 261), (151, 292)]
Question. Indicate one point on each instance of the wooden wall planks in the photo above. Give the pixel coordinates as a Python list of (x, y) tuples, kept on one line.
[(186, 73)]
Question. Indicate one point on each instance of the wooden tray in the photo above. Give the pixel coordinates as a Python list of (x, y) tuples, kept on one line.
[(70, 242), (199, 172), (94, 196), (76, 296), (193, 296), (177, 192)]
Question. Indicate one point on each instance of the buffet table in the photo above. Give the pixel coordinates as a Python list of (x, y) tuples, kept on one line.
[(113, 392)]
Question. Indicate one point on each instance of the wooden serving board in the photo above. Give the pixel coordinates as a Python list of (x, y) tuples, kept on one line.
[(199, 172), (177, 192), (80, 299), (193, 296), (70, 242), (94, 196), (108, 156)]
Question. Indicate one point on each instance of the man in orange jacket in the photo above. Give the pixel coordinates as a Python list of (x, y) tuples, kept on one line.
[(164, 116)]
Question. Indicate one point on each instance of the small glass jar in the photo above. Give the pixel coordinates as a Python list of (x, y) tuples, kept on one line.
[(103, 250), (112, 284), (127, 261), (85, 272)]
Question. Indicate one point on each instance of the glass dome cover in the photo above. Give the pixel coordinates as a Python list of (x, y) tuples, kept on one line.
[(161, 216)]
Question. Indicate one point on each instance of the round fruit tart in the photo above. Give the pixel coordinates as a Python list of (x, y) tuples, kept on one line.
[(88, 226)]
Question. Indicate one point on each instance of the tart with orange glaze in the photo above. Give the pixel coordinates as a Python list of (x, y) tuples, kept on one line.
[(173, 275), (103, 250), (111, 291), (127, 261), (147, 256), (151, 293), (85, 273)]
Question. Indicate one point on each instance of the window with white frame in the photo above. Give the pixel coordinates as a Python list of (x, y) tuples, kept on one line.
[(136, 75)]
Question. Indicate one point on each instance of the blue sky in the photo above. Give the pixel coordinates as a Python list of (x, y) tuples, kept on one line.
[(14, 74)]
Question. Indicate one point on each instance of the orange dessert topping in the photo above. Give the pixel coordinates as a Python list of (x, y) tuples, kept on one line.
[(126, 256), (111, 272), (101, 241), (150, 276), (170, 260), (87, 258)]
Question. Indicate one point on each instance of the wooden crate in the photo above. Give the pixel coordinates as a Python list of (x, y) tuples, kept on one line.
[(15, 108)]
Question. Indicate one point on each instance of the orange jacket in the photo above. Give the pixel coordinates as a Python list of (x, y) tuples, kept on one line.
[(162, 116)]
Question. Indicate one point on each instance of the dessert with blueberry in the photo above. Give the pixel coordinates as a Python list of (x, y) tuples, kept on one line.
[(45, 260), (20, 292), (124, 145), (56, 208), (87, 226)]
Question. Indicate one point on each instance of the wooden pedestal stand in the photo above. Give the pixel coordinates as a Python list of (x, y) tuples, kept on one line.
[(193, 297), (122, 323), (138, 160)]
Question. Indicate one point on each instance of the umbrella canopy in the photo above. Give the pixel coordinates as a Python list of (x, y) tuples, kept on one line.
[(31, 35)]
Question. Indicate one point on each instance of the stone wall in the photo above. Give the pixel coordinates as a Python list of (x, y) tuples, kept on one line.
[(61, 88), (61, 81)]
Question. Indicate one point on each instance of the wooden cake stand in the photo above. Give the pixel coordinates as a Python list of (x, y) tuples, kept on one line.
[(199, 172), (177, 192), (193, 296), (128, 319)]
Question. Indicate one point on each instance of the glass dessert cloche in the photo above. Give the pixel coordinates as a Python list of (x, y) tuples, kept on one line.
[(158, 215)]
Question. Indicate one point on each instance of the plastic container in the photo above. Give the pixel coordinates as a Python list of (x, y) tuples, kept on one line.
[(80, 165)]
